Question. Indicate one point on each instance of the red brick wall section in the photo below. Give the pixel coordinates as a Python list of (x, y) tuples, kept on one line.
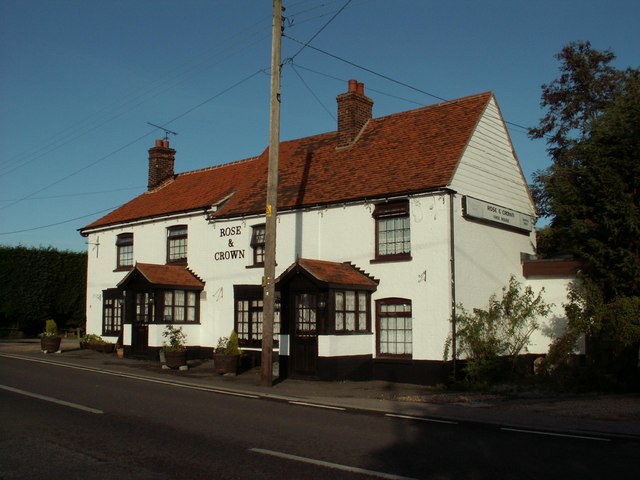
[(354, 110), (161, 160)]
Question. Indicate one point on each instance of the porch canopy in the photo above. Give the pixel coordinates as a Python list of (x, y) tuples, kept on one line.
[(162, 276), (329, 275)]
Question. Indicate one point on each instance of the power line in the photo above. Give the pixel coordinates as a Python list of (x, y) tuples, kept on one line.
[(66, 177), (77, 194), (386, 77), (318, 32), (312, 92), (57, 223)]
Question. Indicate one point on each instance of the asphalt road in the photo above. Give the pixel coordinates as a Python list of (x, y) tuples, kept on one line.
[(66, 423)]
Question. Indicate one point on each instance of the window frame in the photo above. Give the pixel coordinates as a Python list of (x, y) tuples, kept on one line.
[(124, 243), (112, 302), (357, 311), (175, 234), (175, 307), (392, 211), (406, 314), (258, 244), (252, 296)]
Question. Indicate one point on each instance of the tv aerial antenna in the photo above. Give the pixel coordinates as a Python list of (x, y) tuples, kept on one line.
[(166, 130)]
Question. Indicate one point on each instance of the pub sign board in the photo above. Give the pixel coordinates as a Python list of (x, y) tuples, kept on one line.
[(496, 214)]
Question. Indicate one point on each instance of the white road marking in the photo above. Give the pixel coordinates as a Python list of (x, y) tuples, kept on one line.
[(422, 419), (133, 376), (335, 466), (316, 405), (51, 399), (551, 434)]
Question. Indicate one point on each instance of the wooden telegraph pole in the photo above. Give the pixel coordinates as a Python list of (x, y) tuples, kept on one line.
[(268, 280)]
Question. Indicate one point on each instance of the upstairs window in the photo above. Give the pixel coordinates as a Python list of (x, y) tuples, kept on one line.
[(124, 247), (393, 233), (257, 244), (177, 244), (351, 311)]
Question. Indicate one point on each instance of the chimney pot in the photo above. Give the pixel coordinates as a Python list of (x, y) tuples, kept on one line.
[(161, 160), (354, 111)]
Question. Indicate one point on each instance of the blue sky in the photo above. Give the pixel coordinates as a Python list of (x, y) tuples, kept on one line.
[(80, 79)]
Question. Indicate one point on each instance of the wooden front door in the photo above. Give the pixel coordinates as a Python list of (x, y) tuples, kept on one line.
[(142, 314), (304, 345)]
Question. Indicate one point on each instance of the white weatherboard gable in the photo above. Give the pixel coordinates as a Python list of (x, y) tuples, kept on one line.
[(489, 169)]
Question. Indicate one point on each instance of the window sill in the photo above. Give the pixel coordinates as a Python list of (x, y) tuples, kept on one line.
[(255, 265), (392, 258), (177, 262), (349, 333), (124, 269)]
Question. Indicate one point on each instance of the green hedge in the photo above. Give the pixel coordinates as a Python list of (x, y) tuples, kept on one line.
[(40, 284)]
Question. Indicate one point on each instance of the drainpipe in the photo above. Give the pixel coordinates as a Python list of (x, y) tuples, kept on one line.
[(452, 261)]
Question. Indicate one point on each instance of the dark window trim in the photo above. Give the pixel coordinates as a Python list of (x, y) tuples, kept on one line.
[(391, 301), (332, 312), (114, 295), (172, 236), (159, 301), (250, 293), (387, 210), (255, 244), (124, 240)]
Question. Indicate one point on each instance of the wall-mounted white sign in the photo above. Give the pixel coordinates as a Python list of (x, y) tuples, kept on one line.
[(489, 212)]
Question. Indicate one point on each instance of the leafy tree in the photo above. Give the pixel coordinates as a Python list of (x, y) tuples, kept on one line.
[(491, 339), (591, 192)]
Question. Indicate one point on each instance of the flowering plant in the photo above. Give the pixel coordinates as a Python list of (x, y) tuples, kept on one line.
[(50, 329), (176, 339), (228, 345)]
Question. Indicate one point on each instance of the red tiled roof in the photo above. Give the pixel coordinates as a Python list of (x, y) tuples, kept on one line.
[(164, 275), (403, 153), (333, 273)]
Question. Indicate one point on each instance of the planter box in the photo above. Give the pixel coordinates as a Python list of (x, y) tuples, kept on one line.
[(225, 363), (50, 344), (175, 359), (101, 347)]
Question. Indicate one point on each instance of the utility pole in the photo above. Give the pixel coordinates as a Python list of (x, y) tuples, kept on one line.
[(268, 281)]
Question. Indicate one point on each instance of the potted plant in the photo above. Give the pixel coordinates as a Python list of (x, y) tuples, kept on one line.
[(175, 347), (226, 354), (49, 339)]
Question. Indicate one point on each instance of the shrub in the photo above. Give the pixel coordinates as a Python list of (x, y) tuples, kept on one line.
[(492, 339), (177, 340)]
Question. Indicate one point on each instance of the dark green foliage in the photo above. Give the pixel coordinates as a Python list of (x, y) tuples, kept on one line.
[(40, 284), (491, 339), (591, 192)]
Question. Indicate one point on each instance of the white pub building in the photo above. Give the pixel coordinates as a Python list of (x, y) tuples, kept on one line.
[(383, 227)]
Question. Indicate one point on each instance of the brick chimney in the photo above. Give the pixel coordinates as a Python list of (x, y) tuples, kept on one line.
[(161, 159), (354, 111)]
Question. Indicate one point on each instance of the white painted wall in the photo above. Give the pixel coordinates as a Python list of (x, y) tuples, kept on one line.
[(485, 256), (555, 292)]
